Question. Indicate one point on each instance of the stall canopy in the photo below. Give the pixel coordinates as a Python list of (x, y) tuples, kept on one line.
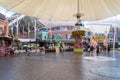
[(64, 9)]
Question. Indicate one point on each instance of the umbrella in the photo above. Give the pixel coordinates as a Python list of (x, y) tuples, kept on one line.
[(64, 9)]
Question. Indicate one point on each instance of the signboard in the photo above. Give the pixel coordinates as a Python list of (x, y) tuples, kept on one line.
[(99, 38)]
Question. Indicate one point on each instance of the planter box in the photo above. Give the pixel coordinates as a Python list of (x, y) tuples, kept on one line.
[(78, 50)]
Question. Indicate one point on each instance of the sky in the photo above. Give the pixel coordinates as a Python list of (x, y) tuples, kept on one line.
[(99, 28), (6, 12)]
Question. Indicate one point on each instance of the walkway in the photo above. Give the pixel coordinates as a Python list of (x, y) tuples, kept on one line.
[(63, 66)]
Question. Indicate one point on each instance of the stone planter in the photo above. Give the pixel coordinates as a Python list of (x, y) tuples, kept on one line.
[(78, 50)]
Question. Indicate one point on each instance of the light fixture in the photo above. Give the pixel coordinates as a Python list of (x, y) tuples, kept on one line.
[(78, 15)]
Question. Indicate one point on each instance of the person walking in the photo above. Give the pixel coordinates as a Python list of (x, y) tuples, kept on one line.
[(97, 50), (108, 49)]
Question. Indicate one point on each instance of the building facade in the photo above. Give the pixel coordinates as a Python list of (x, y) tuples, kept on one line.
[(114, 31), (64, 33)]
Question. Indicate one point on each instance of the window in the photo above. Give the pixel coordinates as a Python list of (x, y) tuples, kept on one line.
[(74, 28), (118, 39), (68, 36), (88, 33)]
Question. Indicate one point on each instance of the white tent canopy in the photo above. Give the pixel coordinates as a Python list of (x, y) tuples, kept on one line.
[(64, 9)]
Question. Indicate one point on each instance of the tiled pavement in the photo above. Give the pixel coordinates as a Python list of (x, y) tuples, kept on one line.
[(60, 66)]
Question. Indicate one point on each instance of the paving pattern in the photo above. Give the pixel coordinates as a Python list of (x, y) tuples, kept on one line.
[(58, 66)]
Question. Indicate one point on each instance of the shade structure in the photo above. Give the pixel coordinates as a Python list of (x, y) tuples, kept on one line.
[(64, 9)]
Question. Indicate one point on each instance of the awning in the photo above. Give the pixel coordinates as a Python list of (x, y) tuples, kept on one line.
[(64, 9)]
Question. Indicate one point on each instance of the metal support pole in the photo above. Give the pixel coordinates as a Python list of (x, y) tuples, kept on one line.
[(50, 31), (28, 31), (17, 27), (114, 42), (35, 30)]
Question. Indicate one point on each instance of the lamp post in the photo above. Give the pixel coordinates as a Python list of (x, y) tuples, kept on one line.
[(78, 34), (78, 15)]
